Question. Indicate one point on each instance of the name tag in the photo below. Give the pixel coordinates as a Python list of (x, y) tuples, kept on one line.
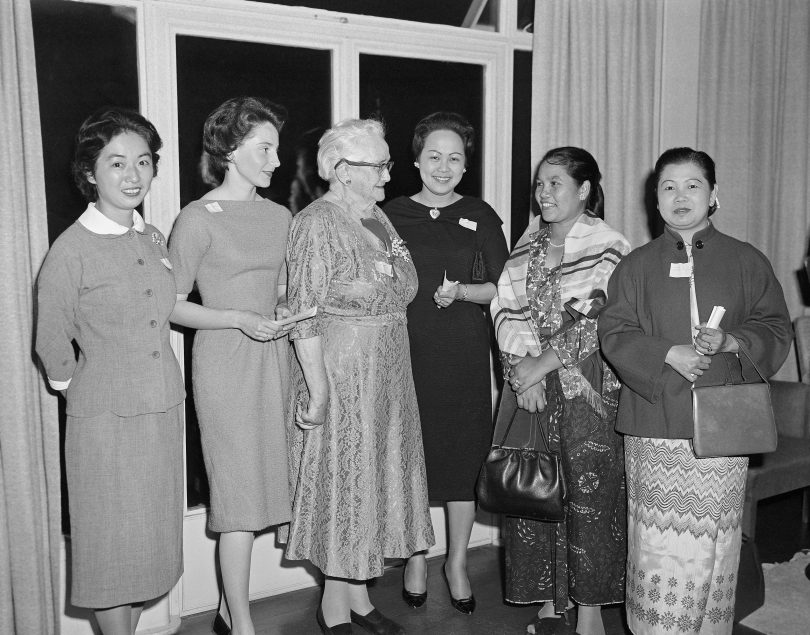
[(384, 267), (680, 270), (213, 207), (166, 263), (469, 224)]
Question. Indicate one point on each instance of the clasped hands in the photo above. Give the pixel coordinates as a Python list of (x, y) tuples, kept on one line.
[(526, 377), (263, 328), (445, 296), (691, 361)]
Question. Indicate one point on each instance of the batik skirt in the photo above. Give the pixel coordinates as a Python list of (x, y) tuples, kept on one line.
[(582, 557)]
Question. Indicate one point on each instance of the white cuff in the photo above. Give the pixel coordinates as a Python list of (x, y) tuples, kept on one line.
[(59, 385)]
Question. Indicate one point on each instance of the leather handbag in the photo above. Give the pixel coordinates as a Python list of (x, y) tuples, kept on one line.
[(524, 481), (733, 419)]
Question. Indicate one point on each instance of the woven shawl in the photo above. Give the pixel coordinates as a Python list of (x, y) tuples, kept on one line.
[(592, 250)]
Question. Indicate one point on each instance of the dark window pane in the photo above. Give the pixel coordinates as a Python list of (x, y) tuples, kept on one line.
[(400, 91), (525, 15), (86, 58), (522, 176), (210, 71)]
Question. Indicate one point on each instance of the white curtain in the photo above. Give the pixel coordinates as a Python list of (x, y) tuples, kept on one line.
[(594, 86), (754, 120), (29, 431)]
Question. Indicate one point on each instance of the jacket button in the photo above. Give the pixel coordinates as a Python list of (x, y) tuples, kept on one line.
[(156, 354), (140, 261), (149, 292), (153, 323)]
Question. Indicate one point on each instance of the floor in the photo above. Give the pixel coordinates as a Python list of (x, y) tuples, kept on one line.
[(780, 534)]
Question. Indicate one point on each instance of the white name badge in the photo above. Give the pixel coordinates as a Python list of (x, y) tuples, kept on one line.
[(384, 267), (213, 207), (469, 224), (680, 270)]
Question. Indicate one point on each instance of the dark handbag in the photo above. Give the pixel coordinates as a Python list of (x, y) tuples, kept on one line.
[(733, 419), (524, 482)]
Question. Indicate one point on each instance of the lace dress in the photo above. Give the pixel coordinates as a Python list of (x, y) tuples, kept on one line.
[(360, 493)]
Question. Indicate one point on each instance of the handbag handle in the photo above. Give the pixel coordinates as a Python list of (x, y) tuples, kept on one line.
[(753, 363), (532, 431)]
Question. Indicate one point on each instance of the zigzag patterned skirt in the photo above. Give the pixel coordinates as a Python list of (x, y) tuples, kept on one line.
[(683, 537)]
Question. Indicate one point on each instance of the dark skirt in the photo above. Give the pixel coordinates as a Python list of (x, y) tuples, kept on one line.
[(583, 557)]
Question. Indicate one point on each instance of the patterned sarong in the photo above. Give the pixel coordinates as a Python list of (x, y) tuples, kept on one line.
[(683, 537)]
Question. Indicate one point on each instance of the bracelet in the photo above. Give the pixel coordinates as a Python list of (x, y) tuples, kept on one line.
[(464, 296)]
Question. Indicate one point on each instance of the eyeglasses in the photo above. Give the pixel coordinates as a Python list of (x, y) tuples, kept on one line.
[(385, 165)]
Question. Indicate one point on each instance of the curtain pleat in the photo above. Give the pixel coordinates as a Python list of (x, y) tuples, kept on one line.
[(29, 432), (754, 120), (594, 86)]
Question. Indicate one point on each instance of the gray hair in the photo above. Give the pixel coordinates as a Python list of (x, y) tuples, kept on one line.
[(342, 139)]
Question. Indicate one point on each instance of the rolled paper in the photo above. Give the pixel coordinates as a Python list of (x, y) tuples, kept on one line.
[(448, 284), (714, 319)]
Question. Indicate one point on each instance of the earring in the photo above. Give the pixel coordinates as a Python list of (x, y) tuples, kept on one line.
[(581, 197), (464, 171), (416, 164)]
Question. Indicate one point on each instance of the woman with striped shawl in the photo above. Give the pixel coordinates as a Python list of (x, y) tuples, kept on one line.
[(549, 295)]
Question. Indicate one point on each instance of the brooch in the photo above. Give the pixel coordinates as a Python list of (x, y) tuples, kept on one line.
[(157, 238)]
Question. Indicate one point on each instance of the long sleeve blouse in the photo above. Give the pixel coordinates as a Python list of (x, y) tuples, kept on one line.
[(111, 294), (648, 312)]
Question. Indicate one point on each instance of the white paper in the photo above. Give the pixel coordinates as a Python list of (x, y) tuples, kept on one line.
[(303, 315), (714, 319), (447, 285), (680, 270)]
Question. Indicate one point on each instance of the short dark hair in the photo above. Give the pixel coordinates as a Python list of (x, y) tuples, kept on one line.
[(675, 156), (97, 131), (580, 165), (228, 125), (444, 121)]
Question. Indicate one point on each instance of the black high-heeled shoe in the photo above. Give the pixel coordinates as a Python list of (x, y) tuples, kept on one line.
[(345, 628), (463, 605), (414, 600), (375, 622), (219, 626)]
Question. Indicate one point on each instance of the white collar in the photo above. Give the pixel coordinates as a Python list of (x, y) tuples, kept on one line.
[(98, 223)]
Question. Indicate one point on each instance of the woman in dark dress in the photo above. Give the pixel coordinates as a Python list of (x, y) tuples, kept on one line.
[(459, 250)]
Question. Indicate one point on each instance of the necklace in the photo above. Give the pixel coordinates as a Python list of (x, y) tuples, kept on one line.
[(555, 244)]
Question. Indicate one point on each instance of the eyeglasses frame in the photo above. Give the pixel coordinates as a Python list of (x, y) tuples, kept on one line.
[(384, 165)]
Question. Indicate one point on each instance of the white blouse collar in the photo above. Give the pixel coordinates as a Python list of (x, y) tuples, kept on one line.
[(96, 222)]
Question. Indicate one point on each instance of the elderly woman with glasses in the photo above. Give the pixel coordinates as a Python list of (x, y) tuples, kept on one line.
[(357, 461)]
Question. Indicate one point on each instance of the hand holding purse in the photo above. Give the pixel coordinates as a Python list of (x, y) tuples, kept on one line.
[(526, 481), (733, 419)]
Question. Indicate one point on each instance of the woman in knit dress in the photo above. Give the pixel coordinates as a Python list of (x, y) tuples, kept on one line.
[(107, 287), (684, 513), (458, 237), (549, 297), (231, 243)]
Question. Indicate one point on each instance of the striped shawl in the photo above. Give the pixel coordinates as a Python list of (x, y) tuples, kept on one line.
[(592, 250)]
